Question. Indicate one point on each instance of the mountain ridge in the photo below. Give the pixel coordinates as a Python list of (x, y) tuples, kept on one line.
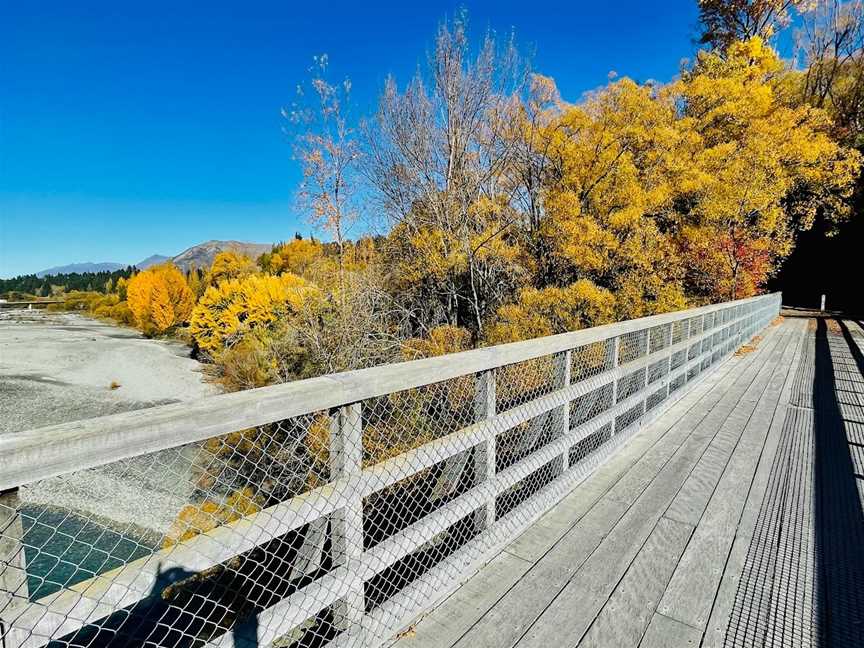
[(86, 266), (200, 256)]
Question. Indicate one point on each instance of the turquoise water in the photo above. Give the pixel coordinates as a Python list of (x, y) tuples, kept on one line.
[(63, 549)]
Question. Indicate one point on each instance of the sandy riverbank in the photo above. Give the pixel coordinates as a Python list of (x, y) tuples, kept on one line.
[(58, 367)]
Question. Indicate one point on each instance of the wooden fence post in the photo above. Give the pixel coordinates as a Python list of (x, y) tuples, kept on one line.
[(616, 343), (484, 453), (346, 460), (13, 573), (561, 420)]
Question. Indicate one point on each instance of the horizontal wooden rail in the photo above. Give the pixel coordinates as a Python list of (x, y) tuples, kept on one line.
[(58, 449)]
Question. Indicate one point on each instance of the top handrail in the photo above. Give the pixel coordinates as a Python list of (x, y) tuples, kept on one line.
[(49, 451)]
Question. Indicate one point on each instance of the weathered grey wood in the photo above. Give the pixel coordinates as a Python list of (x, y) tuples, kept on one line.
[(525, 601), (50, 451), (458, 613), (95, 598), (517, 610), (13, 574), (626, 615), (690, 401), (721, 610), (341, 498), (664, 632), (346, 523), (709, 417), (690, 503), (692, 590), (561, 422), (582, 598), (484, 453), (541, 536), (718, 620), (522, 517), (605, 476), (412, 587), (616, 345)]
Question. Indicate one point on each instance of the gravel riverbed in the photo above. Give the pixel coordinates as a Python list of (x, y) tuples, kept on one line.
[(58, 367)]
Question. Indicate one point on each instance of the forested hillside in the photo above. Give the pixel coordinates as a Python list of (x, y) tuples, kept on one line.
[(54, 284)]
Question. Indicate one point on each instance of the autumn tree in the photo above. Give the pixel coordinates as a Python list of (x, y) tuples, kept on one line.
[(435, 152), (328, 151), (159, 299), (724, 22), (297, 256), (766, 169), (229, 265), (612, 168), (235, 307)]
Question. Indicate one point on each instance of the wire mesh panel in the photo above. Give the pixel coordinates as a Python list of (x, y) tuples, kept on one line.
[(632, 345), (345, 511), (591, 360)]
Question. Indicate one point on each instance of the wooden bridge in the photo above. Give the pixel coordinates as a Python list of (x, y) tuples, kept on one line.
[(40, 303), (689, 479), (735, 519)]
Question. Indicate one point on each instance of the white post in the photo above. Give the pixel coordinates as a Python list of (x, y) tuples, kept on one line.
[(615, 346), (346, 460), (484, 457), (13, 572), (561, 416), (822, 305)]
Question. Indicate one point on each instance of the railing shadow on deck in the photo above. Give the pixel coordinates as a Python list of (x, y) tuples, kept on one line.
[(838, 514), (172, 619)]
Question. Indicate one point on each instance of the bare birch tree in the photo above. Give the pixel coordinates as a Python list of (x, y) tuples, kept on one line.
[(325, 143)]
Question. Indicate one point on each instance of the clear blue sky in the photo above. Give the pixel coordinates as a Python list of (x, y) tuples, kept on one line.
[(128, 129)]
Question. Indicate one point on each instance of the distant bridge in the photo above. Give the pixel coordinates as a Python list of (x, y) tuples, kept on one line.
[(668, 481), (41, 303)]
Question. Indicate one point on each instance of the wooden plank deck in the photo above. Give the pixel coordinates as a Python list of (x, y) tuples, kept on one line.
[(732, 520)]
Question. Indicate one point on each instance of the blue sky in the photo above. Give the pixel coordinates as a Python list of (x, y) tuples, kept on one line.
[(128, 129)]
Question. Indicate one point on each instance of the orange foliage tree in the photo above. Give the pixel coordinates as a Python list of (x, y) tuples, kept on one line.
[(159, 298)]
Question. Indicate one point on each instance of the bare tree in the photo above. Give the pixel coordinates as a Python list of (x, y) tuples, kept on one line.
[(326, 145), (725, 21), (831, 42), (436, 153)]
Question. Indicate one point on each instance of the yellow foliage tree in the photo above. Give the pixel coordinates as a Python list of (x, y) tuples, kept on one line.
[(441, 340), (763, 169), (553, 310), (230, 265), (297, 257), (229, 311), (159, 299)]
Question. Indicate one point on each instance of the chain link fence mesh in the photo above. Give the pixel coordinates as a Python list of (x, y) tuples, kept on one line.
[(336, 527)]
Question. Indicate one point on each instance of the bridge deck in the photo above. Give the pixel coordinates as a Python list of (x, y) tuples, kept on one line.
[(735, 519)]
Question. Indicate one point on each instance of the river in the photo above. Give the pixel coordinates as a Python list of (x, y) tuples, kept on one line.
[(59, 367)]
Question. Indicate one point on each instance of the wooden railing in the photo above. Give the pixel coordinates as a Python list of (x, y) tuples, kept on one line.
[(542, 415)]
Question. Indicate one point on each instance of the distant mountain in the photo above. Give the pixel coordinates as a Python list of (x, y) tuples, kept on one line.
[(105, 266), (197, 256), (201, 255), (153, 259)]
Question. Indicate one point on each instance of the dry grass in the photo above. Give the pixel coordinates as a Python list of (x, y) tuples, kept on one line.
[(750, 347), (407, 633)]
